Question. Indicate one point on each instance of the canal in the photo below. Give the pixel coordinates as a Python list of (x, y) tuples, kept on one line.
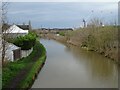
[(72, 67)]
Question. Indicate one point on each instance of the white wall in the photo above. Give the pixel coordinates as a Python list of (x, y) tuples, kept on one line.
[(25, 53)]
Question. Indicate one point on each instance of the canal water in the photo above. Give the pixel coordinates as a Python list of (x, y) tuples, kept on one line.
[(71, 67)]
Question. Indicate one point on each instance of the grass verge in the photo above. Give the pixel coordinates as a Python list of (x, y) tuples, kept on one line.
[(32, 64), (30, 77)]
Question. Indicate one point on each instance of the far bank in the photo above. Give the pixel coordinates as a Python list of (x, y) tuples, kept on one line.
[(103, 40)]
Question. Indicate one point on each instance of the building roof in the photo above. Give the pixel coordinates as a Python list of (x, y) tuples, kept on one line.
[(15, 29), (24, 27)]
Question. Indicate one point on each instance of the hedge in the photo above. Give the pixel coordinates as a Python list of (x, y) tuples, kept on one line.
[(25, 42)]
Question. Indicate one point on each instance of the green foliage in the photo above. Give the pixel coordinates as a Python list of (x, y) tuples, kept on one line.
[(35, 68), (25, 42), (10, 71), (62, 33), (31, 62)]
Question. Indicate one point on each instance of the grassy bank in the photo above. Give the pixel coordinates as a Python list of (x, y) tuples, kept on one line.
[(21, 73), (103, 40)]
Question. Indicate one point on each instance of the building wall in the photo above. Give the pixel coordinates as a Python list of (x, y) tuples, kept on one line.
[(25, 53)]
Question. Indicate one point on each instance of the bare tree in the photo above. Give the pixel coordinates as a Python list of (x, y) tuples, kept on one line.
[(0, 30), (0, 45), (3, 29)]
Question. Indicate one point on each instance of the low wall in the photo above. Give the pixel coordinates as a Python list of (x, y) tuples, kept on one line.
[(25, 53)]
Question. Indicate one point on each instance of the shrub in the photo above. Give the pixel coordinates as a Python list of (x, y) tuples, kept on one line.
[(62, 33), (25, 42)]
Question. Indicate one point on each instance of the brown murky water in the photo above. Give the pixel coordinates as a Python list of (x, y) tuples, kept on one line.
[(72, 67)]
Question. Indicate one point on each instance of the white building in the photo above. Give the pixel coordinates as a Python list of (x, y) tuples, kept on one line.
[(9, 51), (15, 31)]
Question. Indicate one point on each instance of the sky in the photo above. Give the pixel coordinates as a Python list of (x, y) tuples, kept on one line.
[(61, 14)]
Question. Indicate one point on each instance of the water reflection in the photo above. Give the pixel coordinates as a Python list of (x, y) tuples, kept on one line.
[(97, 65), (68, 66)]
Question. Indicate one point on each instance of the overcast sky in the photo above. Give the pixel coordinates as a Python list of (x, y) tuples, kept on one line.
[(61, 14)]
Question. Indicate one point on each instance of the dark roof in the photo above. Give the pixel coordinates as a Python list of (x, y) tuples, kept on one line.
[(24, 27), (5, 26)]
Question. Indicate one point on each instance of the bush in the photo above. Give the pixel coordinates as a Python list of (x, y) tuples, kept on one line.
[(62, 33), (25, 42)]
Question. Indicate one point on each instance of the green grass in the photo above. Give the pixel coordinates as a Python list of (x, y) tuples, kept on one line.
[(62, 33), (34, 70), (10, 71), (35, 59)]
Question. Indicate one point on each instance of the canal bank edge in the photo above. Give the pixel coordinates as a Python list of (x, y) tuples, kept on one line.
[(24, 77), (35, 70), (63, 39)]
